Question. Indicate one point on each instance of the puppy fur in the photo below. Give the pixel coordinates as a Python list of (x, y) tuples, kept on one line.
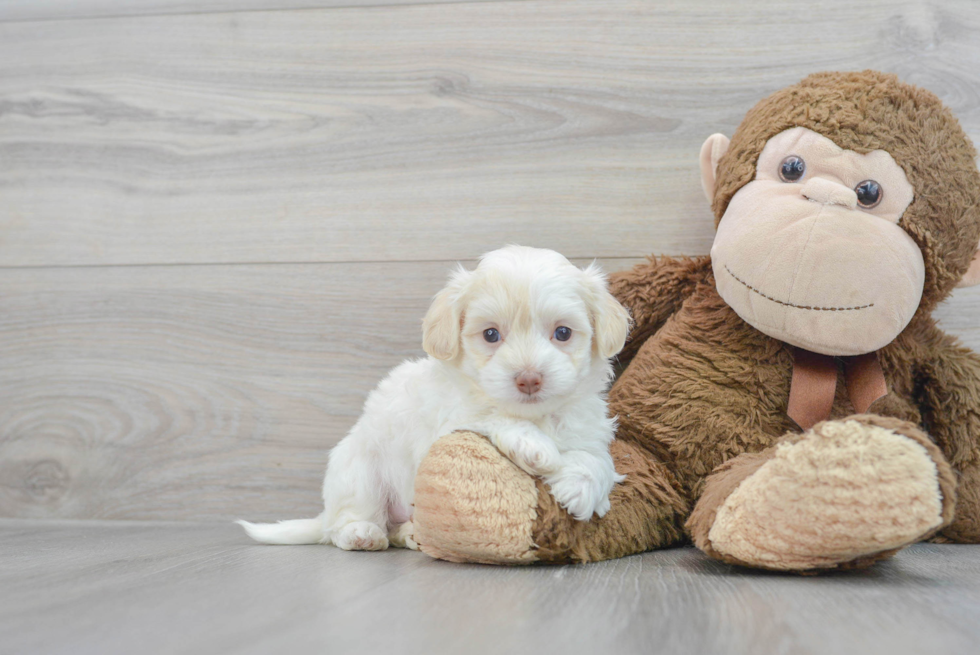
[(554, 425)]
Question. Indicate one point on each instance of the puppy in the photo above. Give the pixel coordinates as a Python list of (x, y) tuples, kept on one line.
[(519, 351)]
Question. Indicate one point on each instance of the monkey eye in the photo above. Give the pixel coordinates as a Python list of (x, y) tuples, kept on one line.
[(869, 193), (491, 335), (792, 168), (563, 333)]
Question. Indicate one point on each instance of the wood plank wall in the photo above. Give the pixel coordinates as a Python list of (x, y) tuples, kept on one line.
[(219, 228)]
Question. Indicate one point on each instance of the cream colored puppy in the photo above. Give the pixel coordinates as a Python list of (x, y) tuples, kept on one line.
[(519, 351)]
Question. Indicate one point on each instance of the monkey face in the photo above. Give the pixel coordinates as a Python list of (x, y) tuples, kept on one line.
[(810, 252)]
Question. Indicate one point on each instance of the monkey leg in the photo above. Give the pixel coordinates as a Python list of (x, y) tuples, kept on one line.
[(965, 527), (841, 495), (472, 504)]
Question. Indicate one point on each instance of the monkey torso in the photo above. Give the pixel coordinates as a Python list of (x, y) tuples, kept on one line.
[(707, 386)]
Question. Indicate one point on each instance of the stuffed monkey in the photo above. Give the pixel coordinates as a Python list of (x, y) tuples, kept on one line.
[(787, 403)]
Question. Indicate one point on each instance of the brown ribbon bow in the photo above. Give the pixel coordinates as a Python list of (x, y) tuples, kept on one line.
[(811, 394)]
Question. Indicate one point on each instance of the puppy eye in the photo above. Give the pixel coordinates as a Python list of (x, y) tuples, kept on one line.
[(792, 168), (491, 335), (869, 193), (563, 333)]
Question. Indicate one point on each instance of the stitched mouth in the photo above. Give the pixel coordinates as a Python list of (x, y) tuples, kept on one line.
[(789, 304)]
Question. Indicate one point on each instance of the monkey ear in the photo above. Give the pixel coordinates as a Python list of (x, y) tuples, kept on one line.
[(610, 320), (714, 147), (442, 325), (972, 275)]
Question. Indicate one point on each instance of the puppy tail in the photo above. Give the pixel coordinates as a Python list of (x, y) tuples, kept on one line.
[(286, 533)]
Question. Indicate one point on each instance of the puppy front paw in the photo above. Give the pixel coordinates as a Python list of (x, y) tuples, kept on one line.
[(580, 494), (582, 486), (526, 445), (534, 457), (530, 449)]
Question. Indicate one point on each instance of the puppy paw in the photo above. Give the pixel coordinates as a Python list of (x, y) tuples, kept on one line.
[(535, 455), (579, 494), (401, 536), (361, 535), (523, 443), (582, 485)]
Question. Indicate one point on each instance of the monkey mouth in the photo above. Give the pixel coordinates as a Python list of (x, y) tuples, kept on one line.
[(789, 304)]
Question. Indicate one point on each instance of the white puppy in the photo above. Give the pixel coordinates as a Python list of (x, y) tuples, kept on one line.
[(519, 351)]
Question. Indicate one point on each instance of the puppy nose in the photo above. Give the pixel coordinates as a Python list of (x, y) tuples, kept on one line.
[(829, 193), (528, 382)]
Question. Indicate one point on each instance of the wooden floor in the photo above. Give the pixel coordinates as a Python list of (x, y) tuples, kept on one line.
[(137, 587)]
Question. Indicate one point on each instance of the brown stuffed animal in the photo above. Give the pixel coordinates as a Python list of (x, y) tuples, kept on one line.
[(788, 403)]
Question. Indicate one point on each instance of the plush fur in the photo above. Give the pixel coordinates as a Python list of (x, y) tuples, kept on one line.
[(559, 429), (704, 437), (875, 111)]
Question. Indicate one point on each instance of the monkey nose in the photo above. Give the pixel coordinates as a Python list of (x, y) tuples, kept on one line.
[(826, 192), (528, 382)]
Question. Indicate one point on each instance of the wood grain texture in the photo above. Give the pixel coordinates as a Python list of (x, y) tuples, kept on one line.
[(106, 588), (39, 10), (219, 230), (206, 392), (192, 392), (426, 132)]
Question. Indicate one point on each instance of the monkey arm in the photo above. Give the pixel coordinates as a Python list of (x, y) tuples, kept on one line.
[(950, 403), (654, 290)]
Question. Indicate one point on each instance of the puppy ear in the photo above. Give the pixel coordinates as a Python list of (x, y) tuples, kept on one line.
[(610, 320), (441, 326)]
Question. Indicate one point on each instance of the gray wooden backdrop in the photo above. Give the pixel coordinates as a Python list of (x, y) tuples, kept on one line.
[(220, 221)]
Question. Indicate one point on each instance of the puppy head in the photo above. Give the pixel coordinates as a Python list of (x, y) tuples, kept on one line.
[(528, 326)]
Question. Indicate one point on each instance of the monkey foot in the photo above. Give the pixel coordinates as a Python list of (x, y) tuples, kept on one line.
[(842, 495), (472, 504)]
